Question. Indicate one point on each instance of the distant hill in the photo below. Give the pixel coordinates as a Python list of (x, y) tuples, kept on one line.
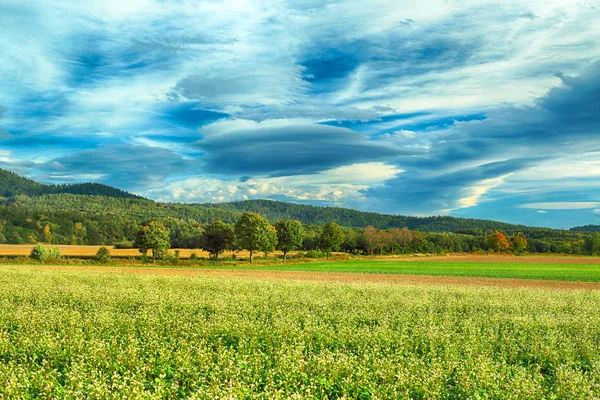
[(314, 215), (97, 199), (12, 185), (586, 228)]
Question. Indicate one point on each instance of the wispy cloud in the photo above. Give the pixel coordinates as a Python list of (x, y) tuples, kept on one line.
[(478, 102)]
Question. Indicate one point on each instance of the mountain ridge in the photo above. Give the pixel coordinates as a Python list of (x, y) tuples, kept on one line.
[(98, 198), (12, 184)]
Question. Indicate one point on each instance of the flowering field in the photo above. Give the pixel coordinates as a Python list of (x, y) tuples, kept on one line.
[(72, 334)]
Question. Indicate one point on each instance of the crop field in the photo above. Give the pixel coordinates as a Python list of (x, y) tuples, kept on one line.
[(103, 334), (519, 270)]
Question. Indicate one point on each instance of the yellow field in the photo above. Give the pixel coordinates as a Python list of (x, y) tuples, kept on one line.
[(68, 250)]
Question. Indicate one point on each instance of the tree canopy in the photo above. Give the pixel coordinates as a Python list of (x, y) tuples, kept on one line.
[(155, 237), (217, 238), (290, 235), (254, 233), (332, 238)]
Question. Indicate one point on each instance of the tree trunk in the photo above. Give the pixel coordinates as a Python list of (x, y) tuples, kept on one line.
[(251, 258), (284, 255), (153, 258)]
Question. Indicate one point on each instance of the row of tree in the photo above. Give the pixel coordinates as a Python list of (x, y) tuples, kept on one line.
[(22, 225), (252, 232)]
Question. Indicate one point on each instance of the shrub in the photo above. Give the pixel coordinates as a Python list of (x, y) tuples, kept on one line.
[(314, 254), (42, 253), (125, 244), (103, 255), (193, 256)]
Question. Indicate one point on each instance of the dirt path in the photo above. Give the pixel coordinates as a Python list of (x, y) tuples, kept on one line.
[(342, 277)]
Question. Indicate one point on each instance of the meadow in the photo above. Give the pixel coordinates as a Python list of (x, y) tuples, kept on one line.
[(73, 334)]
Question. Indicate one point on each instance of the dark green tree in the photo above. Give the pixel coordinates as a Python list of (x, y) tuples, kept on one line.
[(217, 238), (290, 235), (592, 244), (255, 233), (153, 236), (332, 238)]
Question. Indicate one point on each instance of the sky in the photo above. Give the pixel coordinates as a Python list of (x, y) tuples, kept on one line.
[(485, 109)]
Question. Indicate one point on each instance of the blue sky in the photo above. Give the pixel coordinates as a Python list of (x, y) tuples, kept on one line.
[(487, 109)]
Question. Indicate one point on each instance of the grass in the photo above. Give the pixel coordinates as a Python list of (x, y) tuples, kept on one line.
[(565, 272), (66, 334)]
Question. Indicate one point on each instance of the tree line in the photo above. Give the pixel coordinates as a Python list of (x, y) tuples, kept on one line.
[(254, 233)]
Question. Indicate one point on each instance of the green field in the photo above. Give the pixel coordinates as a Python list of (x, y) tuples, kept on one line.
[(564, 272), (66, 334), (518, 270)]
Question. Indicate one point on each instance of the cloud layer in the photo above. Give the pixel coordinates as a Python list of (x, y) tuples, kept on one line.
[(472, 108)]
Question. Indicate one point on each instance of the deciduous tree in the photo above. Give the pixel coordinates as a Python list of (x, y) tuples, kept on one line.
[(498, 242), (153, 236), (217, 238), (290, 234), (592, 244), (332, 238), (518, 243), (255, 233)]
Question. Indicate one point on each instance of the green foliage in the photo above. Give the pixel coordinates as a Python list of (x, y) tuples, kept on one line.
[(126, 244), (592, 244), (314, 254), (103, 255), (217, 238), (290, 235), (155, 237), (518, 243), (41, 252), (332, 238), (70, 335), (255, 233)]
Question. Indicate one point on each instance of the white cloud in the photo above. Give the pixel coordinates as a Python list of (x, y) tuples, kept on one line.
[(596, 211), (564, 205), (542, 212), (345, 183), (475, 193)]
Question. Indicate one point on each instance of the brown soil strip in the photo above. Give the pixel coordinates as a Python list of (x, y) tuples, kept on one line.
[(341, 277)]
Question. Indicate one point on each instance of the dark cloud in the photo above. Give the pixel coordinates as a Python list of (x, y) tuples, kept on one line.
[(426, 193), (564, 121), (187, 114), (290, 150)]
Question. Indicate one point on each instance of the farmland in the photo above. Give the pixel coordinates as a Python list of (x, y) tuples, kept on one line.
[(83, 334)]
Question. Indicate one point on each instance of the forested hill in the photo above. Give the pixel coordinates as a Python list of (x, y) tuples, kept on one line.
[(12, 185), (94, 201), (586, 228), (314, 215)]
